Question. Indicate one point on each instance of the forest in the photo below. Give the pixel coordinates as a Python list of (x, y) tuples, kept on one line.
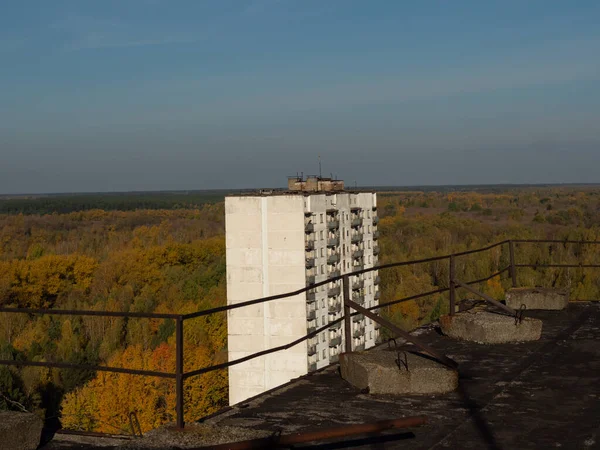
[(158, 257)]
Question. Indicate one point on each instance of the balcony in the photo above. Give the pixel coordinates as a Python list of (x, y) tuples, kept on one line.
[(358, 332), (375, 220), (334, 274), (358, 298), (334, 291), (357, 267), (357, 222), (356, 238), (377, 325), (335, 326), (312, 367), (309, 228), (334, 342), (376, 280), (376, 250), (334, 358), (376, 234), (311, 350), (377, 295), (311, 296), (333, 242), (358, 285), (310, 262), (335, 307), (359, 348), (309, 245), (333, 224), (333, 259), (310, 279), (312, 326), (357, 254), (358, 318), (311, 315)]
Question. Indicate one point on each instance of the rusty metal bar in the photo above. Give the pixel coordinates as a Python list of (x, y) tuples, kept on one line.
[(330, 433), (258, 300), (452, 285), (399, 332), (513, 271), (94, 434), (179, 373), (571, 266), (261, 353), (347, 315), (406, 299), (489, 277), (60, 365), (71, 312), (553, 241), (487, 298)]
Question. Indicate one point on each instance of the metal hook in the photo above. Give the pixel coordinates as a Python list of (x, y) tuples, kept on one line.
[(519, 314)]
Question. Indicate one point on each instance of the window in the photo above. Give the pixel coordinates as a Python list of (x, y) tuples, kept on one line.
[(369, 244), (322, 269), (369, 259), (323, 320), (370, 335), (321, 234), (324, 353), (347, 265), (321, 218), (347, 233), (369, 228), (322, 337), (322, 303)]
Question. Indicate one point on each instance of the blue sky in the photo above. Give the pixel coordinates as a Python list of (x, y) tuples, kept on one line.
[(155, 94)]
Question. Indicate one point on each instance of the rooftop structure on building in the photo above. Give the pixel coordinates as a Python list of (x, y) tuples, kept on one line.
[(281, 243)]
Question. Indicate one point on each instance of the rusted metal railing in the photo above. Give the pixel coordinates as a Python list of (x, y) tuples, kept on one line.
[(180, 375)]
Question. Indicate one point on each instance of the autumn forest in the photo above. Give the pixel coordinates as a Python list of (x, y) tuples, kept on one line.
[(167, 255)]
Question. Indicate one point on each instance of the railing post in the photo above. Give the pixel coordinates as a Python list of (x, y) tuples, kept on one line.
[(513, 271), (452, 285), (347, 314), (179, 372)]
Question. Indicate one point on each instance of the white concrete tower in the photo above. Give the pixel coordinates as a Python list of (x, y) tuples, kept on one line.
[(279, 242)]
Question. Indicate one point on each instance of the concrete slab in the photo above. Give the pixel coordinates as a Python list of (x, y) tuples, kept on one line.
[(537, 298), (486, 327), (19, 431), (382, 373)]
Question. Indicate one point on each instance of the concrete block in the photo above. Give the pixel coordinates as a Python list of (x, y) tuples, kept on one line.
[(485, 327), (537, 298), (379, 371), (20, 431)]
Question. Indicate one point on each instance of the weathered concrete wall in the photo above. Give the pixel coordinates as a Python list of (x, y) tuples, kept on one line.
[(19, 431), (265, 256), (537, 298)]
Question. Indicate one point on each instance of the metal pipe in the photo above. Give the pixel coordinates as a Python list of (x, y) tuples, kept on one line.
[(59, 365), (513, 272), (452, 285), (330, 433), (179, 373), (399, 332), (487, 298)]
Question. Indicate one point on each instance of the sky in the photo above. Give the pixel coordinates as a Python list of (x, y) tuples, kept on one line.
[(133, 95)]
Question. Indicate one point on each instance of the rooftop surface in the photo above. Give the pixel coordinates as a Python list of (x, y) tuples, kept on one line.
[(535, 395)]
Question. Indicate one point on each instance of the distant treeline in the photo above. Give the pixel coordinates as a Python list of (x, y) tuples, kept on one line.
[(64, 203)]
